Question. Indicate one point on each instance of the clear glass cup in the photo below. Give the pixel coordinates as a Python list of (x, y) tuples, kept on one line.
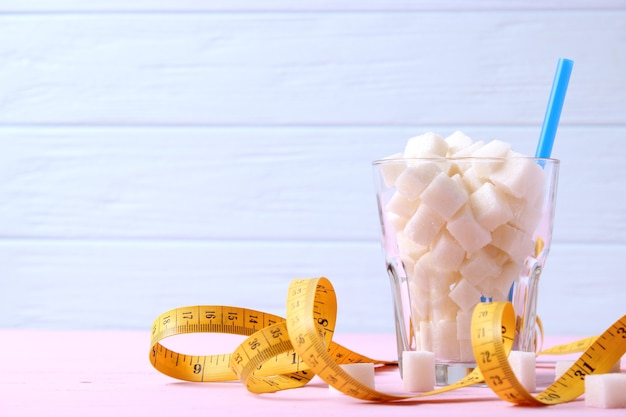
[(459, 231)]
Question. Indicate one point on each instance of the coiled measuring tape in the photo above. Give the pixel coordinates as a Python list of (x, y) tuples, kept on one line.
[(284, 353)]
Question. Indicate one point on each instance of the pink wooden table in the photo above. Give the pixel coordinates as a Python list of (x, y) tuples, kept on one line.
[(107, 373)]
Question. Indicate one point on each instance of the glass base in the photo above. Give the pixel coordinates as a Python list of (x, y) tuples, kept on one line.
[(449, 373)]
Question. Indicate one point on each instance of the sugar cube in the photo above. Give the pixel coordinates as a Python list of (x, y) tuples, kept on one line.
[(490, 207), (399, 204), (465, 295), (420, 303), (446, 252), (426, 335), (480, 266), (560, 367), (408, 247), (468, 151), (397, 222), (414, 179), (466, 350), (517, 243), (445, 340), (457, 141), (534, 184), (362, 372), (420, 278), (426, 145), (390, 172), (418, 371), (439, 281), (605, 390), (509, 273), (464, 324), (520, 177), (442, 307), (424, 225), (523, 365), (525, 215), (493, 149), (471, 180), (444, 195), (467, 231), (493, 152)]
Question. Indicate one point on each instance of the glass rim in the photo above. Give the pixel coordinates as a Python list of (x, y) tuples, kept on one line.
[(400, 159)]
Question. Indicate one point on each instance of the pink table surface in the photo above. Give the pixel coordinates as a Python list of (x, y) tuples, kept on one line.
[(107, 373)]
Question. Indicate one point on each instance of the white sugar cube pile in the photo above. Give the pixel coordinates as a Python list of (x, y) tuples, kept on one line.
[(464, 229)]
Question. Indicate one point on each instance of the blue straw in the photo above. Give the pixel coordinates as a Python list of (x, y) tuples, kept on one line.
[(555, 105), (551, 119)]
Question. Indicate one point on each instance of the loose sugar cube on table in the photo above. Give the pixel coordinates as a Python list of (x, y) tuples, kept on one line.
[(560, 367), (605, 390), (524, 365), (362, 372), (418, 371)]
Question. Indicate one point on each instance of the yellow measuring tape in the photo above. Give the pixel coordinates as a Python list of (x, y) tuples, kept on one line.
[(283, 353)]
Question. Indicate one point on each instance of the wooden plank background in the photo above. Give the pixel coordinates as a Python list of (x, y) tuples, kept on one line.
[(165, 153)]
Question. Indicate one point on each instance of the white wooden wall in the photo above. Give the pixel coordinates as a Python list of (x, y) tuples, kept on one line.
[(162, 153)]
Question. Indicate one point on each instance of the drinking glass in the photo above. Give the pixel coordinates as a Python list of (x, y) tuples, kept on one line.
[(457, 232)]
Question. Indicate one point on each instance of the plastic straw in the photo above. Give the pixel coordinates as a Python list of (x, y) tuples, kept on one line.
[(555, 105), (551, 123)]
